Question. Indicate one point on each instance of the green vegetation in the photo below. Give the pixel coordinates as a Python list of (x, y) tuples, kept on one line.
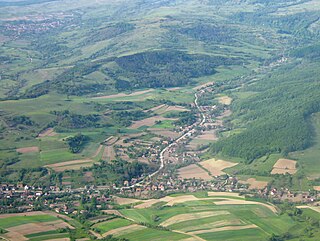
[(76, 143), (19, 220), (112, 224)]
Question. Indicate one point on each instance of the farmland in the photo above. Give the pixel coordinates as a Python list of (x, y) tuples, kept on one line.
[(36, 226), (146, 120), (218, 216)]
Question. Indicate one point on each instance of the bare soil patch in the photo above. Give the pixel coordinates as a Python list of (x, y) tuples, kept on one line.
[(147, 204), (216, 224), (164, 133), (149, 121), (70, 165), (28, 149), (254, 184), (193, 171), (210, 135), (155, 108), (108, 153), (225, 100), (125, 201), (216, 167), (317, 188), (226, 228), (8, 215), (73, 167), (123, 94), (47, 132), (191, 216), (224, 194), (124, 230), (283, 166), (115, 212)]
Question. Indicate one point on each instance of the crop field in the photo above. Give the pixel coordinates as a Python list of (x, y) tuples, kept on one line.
[(212, 216), (34, 226)]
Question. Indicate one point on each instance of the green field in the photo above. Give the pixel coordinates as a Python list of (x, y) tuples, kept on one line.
[(19, 220), (112, 224), (211, 221)]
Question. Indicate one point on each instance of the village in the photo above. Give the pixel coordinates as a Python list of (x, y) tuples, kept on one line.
[(173, 176)]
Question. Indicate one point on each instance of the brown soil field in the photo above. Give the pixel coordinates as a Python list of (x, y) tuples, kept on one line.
[(244, 202), (125, 201), (210, 135), (124, 230), (111, 140), (222, 194), (108, 153), (14, 236), (149, 121), (47, 132), (17, 233), (216, 167), (28, 149), (155, 108), (225, 100), (115, 212), (283, 166), (254, 184), (164, 133), (317, 188), (147, 203), (193, 171), (143, 160), (70, 165), (8, 215), (191, 216), (88, 176), (123, 94), (226, 228)]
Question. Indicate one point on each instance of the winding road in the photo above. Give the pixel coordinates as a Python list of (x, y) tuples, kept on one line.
[(161, 156)]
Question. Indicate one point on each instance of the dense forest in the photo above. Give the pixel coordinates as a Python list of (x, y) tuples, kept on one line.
[(276, 118)]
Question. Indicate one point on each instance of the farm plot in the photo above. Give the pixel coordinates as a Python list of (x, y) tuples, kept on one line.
[(254, 184), (108, 153), (164, 133), (47, 132), (111, 225), (150, 121), (206, 217), (121, 95), (193, 171), (162, 109), (203, 139), (70, 165), (283, 166), (22, 226), (225, 100), (216, 167), (28, 149)]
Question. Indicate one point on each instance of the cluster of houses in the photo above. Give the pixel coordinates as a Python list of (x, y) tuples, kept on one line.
[(38, 24)]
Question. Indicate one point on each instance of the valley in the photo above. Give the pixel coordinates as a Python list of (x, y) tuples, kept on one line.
[(159, 120)]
